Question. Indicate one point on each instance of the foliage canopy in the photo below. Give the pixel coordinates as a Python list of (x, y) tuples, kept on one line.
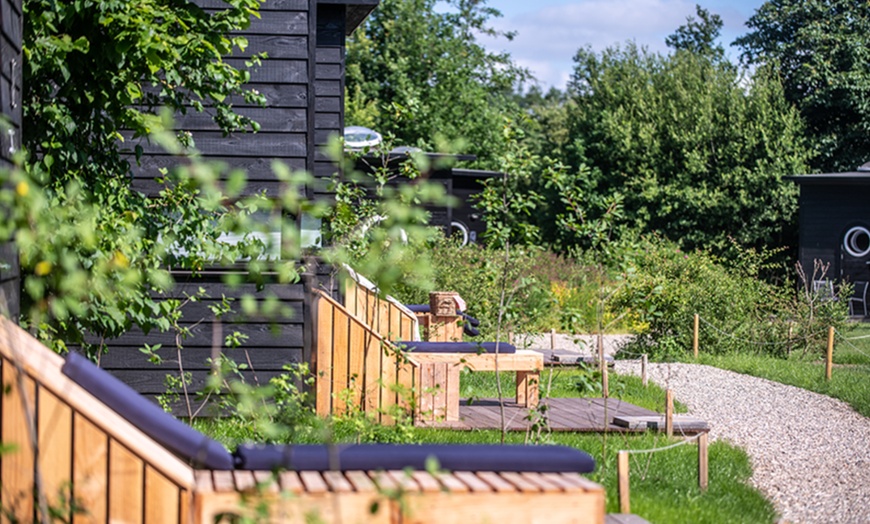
[(821, 51)]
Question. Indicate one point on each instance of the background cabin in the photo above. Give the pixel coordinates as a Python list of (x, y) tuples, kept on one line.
[(835, 224), (462, 219)]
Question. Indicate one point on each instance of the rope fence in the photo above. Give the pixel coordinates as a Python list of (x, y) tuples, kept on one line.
[(832, 335), (622, 466)]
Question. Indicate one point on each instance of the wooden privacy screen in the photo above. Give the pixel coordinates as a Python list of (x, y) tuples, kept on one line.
[(383, 315), (80, 449), (356, 367)]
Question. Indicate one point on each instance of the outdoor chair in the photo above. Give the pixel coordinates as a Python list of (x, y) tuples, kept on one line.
[(824, 289), (859, 297), (76, 433)]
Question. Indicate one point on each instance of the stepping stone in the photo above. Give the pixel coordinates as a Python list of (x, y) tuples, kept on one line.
[(682, 423)]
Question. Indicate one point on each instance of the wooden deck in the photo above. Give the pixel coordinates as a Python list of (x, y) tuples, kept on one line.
[(563, 414)]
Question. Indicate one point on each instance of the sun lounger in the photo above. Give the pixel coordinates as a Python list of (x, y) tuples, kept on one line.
[(77, 433)]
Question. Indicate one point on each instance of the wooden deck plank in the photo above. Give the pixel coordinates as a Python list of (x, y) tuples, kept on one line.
[(564, 414), (543, 484), (290, 481), (313, 482), (266, 481), (426, 481), (474, 483), (360, 481), (337, 482), (244, 481)]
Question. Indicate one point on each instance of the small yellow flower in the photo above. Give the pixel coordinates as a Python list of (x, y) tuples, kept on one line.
[(120, 259), (22, 189), (43, 268)]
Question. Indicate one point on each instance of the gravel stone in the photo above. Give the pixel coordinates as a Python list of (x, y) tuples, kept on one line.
[(810, 453)]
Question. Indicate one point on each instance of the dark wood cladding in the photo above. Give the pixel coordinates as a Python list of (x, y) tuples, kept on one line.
[(10, 140), (270, 342), (827, 212), (302, 80)]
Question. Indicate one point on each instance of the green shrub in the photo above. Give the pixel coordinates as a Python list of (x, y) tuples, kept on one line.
[(665, 287)]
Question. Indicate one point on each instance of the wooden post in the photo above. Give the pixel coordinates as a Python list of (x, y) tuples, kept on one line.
[(622, 473), (669, 413), (553, 338), (605, 382), (829, 360), (644, 360), (511, 338), (703, 464), (695, 336)]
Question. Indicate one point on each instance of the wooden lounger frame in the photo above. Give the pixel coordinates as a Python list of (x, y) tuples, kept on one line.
[(79, 447), (353, 362), (385, 315)]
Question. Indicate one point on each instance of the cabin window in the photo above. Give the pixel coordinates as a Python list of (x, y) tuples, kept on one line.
[(856, 241)]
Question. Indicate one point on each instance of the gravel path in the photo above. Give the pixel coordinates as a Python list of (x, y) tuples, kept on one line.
[(810, 453)]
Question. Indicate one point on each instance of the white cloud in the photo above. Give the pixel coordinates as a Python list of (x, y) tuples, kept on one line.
[(548, 37)]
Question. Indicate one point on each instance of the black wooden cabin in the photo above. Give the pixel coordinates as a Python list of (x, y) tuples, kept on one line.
[(303, 82), (835, 224), (10, 134)]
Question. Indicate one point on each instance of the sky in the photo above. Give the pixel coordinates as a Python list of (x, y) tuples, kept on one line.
[(551, 31)]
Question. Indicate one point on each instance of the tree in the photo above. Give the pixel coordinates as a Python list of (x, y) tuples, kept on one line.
[(821, 51), (93, 69), (421, 76), (696, 151), (96, 254), (699, 36)]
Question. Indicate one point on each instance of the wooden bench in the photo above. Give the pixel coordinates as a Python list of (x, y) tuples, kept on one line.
[(82, 450), (439, 379)]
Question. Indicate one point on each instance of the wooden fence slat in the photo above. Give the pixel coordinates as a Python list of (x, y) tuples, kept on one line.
[(55, 448), (372, 373), (356, 363), (323, 373), (340, 357), (162, 498), (16, 489), (90, 483), (126, 478)]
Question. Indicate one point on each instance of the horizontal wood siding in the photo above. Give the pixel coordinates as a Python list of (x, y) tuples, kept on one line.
[(284, 78), (10, 139), (269, 341), (328, 90), (826, 213)]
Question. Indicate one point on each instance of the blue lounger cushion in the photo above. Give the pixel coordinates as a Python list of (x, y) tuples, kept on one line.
[(176, 436), (456, 347), (450, 457)]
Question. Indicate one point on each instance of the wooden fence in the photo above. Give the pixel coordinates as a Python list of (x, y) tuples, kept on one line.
[(383, 314), (357, 368)]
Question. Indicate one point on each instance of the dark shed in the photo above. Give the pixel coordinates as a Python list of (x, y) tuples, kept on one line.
[(10, 135), (461, 219), (303, 82), (834, 223)]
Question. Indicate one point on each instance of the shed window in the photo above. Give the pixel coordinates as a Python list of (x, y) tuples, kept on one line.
[(857, 241)]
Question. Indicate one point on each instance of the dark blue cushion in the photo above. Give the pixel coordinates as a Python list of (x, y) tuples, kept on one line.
[(450, 457), (456, 347), (176, 436)]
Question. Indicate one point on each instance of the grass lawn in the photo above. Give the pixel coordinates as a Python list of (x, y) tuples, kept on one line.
[(850, 380)]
